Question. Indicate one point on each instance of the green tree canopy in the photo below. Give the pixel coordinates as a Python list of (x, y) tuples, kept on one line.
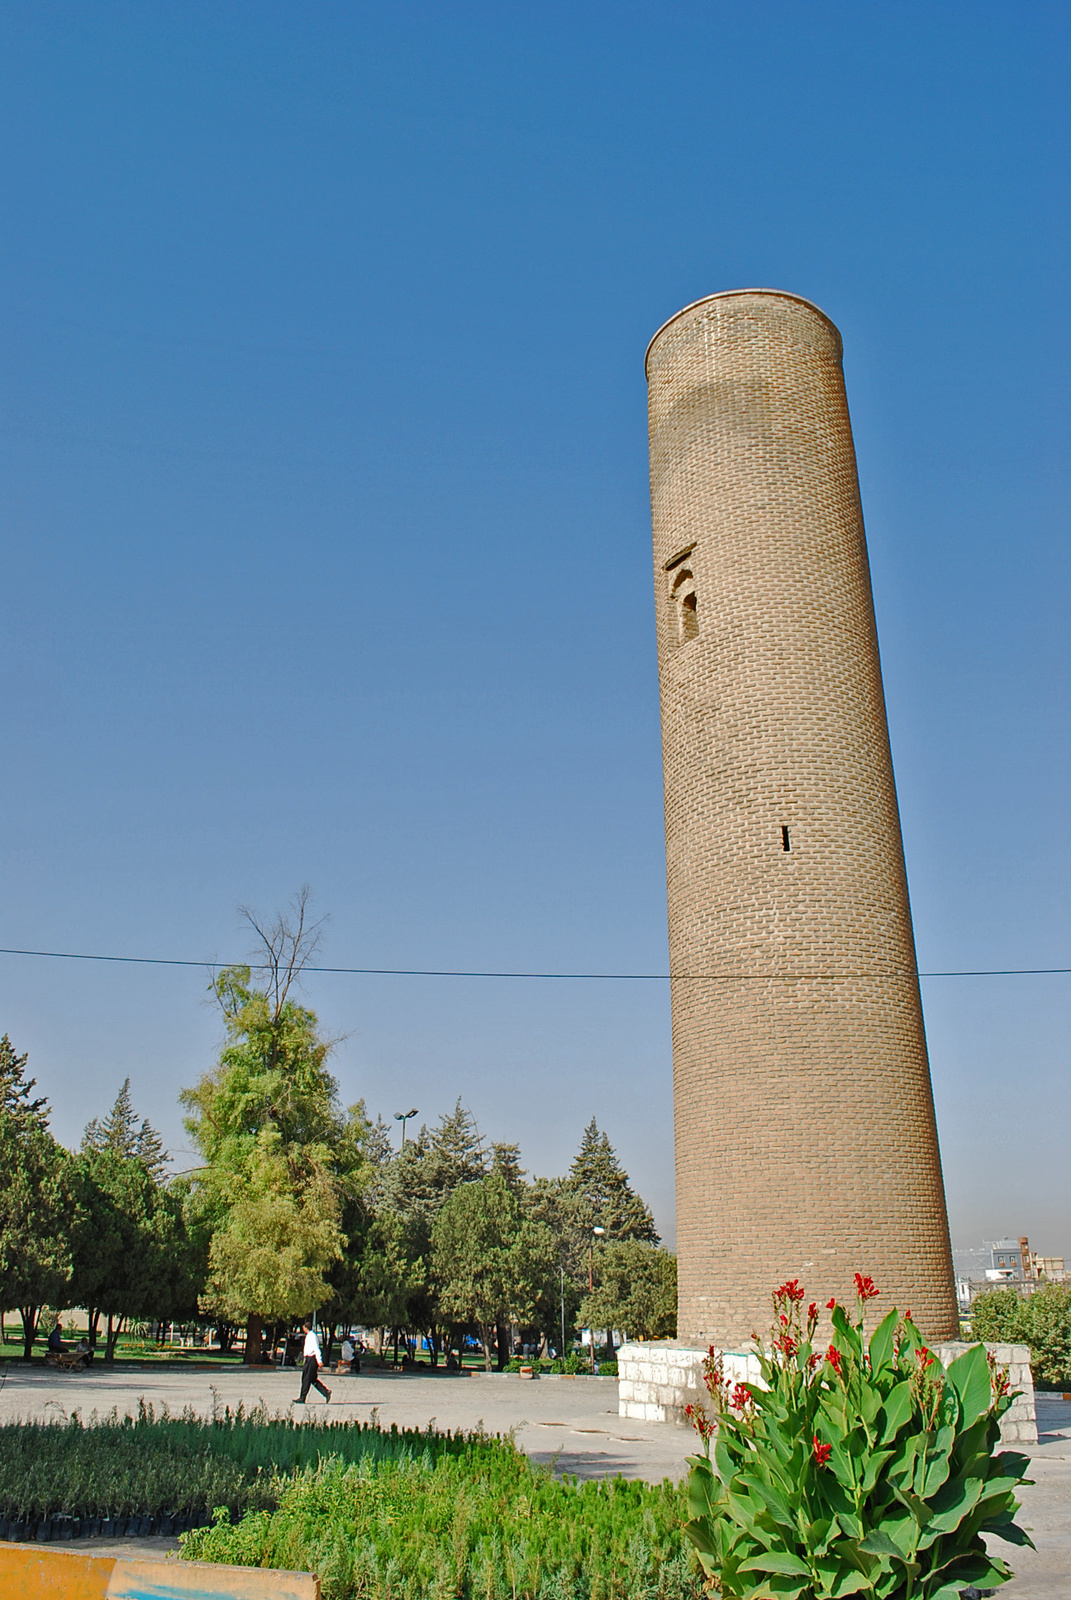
[(280, 1155), (132, 1256), (35, 1257), (279, 1235), (490, 1263), (635, 1291)]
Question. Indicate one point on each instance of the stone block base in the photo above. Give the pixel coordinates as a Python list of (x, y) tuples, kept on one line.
[(657, 1380)]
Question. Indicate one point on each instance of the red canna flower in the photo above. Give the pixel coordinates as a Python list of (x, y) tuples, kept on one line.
[(864, 1287), (925, 1357), (741, 1397), (789, 1291), (813, 1360), (786, 1344), (703, 1425), (822, 1452), (831, 1305), (812, 1312), (833, 1357)]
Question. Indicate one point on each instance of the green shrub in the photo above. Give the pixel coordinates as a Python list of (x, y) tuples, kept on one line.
[(481, 1525), (1042, 1321), (607, 1369), (572, 1364), (863, 1469), (998, 1317)]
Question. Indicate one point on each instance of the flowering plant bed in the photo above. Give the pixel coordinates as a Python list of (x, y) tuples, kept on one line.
[(865, 1468)]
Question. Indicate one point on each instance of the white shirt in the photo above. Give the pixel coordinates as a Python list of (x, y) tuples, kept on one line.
[(347, 1350), (312, 1347)]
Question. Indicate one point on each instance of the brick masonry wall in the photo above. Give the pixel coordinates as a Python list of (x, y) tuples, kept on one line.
[(806, 1144), (657, 1380)]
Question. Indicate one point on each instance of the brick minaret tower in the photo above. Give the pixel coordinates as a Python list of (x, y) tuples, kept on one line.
[(805, 1133)]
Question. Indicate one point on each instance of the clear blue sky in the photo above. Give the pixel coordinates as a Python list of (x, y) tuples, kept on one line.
[(326, 533)]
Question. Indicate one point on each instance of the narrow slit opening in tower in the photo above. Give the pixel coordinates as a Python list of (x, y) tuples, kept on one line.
[(786, 842), (689, 618)]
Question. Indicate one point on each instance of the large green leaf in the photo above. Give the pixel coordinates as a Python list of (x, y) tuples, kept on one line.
[(1011, 1532), (897, 1409), (872, 1468), (902, 1465), (723, 1456), (775, 1503), (847, 1337), (881, 1341), (951, 1505), (848, 1583), (997, 1504), (917, 1507), (817, 1534), (777, 1561), (938, 1463), (878, 1543), (1013, 1464), (969, 1376), (701, 1490), (973, 1567), (869, 1402), (699, 1532)]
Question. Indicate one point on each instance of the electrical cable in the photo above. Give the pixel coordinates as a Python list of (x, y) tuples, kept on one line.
[(606, 977)]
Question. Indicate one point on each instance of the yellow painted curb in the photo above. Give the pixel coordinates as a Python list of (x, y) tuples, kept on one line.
[(28, 1572)]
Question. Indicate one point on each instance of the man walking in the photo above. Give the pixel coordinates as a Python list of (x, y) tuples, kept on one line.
[(313, 1362)]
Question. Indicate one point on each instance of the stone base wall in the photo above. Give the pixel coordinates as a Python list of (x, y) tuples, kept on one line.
[(657, 1380)]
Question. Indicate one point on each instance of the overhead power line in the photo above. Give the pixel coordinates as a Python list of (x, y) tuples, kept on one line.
[(604, 977)]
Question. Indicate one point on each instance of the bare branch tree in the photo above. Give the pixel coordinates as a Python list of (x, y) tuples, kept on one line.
[(288, 944)]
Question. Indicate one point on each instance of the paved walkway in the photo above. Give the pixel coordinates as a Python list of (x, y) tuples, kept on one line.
[(570, 1422)]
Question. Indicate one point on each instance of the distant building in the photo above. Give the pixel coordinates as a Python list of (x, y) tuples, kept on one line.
[(1006, 1261), (1050, 1268), (1038, 1268)]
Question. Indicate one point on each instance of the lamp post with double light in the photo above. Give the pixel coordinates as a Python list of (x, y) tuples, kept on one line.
[(403, 1117)]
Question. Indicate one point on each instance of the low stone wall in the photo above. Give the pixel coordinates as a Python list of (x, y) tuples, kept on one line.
[(657, 1380)]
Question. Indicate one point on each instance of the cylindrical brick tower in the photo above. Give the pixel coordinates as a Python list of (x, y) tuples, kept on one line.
[(806, 1144)]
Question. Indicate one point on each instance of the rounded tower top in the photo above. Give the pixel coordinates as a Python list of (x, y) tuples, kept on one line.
[(732, 294)]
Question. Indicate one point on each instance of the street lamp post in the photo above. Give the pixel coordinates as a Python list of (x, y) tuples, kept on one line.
[(403, 1117), (596, 1233)]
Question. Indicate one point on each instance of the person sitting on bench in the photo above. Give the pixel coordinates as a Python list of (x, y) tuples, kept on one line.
[(55, 1339)]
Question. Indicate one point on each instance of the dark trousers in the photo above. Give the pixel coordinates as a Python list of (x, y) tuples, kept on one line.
[(309, 1380)]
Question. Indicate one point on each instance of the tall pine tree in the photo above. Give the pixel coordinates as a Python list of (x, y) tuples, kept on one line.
[(601, 1183), (119, 1132)]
